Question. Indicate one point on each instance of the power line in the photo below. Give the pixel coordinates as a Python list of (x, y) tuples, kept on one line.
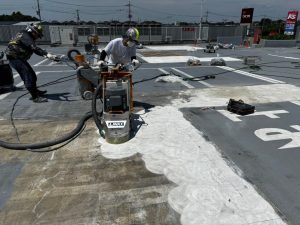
[(161, 12), (57, 11), (217, 14), (97, 14), (86, 11), (80, 5)]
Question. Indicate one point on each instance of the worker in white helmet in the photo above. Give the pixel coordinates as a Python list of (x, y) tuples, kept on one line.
[(122, 50)]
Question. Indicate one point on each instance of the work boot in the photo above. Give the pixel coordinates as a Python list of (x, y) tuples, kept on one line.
[(39, 99), (40, 93)]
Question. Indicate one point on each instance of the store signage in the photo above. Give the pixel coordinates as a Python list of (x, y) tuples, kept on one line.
[(247, 15), (290, 24)]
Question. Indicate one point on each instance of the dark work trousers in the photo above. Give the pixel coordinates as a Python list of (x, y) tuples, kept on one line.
[(27, 74)]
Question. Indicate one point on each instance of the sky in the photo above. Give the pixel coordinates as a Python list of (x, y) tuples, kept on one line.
[(166, 11)]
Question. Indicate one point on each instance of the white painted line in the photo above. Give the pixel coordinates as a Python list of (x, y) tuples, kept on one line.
[(57, 65), (270, 80), (20, 84), (174, 47), (56, 71), (15, 74), (51, 64), (236, 118), (181, 59), (178, 67), (296, 102), (187, 75), (3, 96), (286, 57), (181, 81), (41, 62), (139, 55)]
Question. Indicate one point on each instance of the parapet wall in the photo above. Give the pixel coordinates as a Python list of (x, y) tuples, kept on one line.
[(278, 43)]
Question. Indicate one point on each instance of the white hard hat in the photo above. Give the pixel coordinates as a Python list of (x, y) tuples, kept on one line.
[(132, 34)]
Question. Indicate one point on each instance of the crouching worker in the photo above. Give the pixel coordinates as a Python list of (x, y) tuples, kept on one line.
[(122, 50), (19, 50)]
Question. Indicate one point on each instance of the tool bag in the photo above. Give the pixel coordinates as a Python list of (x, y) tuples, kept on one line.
[(239, 107)]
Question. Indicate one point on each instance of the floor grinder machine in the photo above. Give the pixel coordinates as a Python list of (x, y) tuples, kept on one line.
[(115, 94), (110, 88)]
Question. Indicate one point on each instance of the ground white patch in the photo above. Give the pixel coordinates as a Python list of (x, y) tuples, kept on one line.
[(180, 59), (256, 94), (209, 191), (286, 57), (169, 79)]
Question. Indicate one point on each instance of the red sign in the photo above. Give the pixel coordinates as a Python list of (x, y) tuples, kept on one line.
[(247, 15), (292, 17), (290, 23)]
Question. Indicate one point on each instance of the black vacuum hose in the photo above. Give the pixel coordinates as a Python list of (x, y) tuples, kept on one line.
[(66, 137), (94, 108), (70, 57)]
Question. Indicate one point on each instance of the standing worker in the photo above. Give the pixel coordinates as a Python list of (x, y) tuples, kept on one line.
[(19, 50), (122, 50)]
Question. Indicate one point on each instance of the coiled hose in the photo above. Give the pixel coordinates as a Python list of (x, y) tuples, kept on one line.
[(38, 147), (66, 137), (70, 57)]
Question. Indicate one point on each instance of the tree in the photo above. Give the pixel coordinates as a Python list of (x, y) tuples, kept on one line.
[(90, 22), (17, 16)]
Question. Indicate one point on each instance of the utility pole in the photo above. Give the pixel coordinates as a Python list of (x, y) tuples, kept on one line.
[(263, 23), (129, 12), (78, 18), (200, 24), (38, 12)]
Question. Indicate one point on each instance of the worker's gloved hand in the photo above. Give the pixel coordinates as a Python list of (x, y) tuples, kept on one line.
[(101, 63), (52, 57), (135, 62)]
